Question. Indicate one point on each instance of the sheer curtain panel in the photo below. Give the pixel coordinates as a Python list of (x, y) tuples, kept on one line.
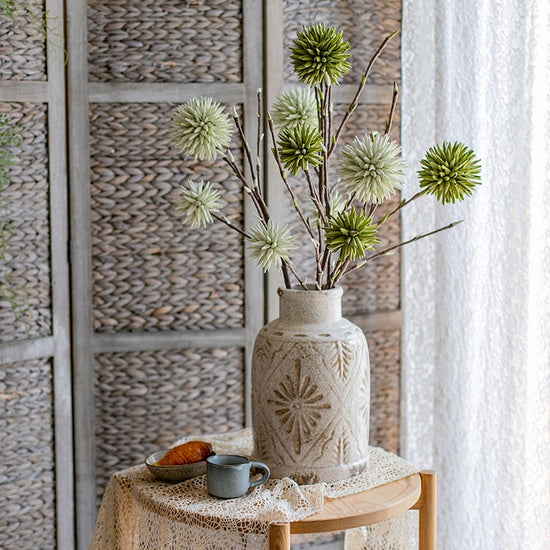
[(476, 344)]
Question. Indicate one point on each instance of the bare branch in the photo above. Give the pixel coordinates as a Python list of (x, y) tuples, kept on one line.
[(417, 238), (401, 205), (293, 196), (258, 200), (302, 283), (230, 224), (389, 122), (259, 137), (246, 147), (355, 101)]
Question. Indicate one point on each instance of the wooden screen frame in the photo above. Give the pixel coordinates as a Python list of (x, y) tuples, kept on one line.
[(51, 92)]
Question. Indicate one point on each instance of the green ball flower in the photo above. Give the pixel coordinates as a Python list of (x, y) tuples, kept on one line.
[(351, 233), (201, 128), (295, 107), (270, 245), (197, 202), (319, 55), (299, 147), (372, 168), (450, 172)]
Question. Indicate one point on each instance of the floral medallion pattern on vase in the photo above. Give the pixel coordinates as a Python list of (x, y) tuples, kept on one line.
[(311, 390)]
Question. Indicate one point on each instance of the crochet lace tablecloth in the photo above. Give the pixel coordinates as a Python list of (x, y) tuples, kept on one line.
[(140, 512)]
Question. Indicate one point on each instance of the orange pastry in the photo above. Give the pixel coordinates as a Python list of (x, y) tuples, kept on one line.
[(187, 453)]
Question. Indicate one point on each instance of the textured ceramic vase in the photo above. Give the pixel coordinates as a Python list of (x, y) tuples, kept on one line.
[(311, 390)]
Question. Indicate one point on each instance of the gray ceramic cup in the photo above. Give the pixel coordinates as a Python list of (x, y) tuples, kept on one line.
[(228, 476)]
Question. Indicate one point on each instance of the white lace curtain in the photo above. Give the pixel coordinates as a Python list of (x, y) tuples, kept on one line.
[(476, 348)]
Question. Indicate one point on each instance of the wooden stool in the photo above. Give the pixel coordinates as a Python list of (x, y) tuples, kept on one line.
[(417, 491)]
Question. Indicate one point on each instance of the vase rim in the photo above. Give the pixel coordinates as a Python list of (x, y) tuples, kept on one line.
[(336, 291)]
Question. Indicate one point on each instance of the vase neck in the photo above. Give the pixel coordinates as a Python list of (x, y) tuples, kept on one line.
[(310, 306)]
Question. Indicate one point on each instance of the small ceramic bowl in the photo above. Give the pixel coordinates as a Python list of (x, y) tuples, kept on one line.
[(174, 473)]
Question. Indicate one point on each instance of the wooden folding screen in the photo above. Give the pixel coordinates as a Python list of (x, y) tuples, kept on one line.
[(163, 318)]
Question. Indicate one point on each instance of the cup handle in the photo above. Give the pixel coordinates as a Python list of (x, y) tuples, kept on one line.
[(264, 478)]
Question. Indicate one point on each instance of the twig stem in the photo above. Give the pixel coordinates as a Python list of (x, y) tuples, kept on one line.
[(258, 200), (246, 149), (259, 135), (339, 271), (389, 122), (292, 270), (401, 205), (417, 238), (355, 101), (293, 196), (315, 197), (224, 220)]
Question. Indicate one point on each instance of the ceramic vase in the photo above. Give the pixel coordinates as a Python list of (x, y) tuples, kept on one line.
[(311, 390)]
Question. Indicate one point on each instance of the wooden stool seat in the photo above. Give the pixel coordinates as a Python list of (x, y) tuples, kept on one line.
[(417, 491)]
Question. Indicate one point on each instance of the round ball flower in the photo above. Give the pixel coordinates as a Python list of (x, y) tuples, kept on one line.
[(351, 233), (294, 107), (201, 128), (450, 172), (270, 245), (372, 167), (197, 202), (299, 147), (319, 55)]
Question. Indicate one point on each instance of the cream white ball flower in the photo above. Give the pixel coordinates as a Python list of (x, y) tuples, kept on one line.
[(201, 128), (270, 245), (197, 202), (372, 167), (294, 107)]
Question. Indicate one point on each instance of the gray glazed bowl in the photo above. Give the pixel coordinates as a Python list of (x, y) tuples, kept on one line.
[(174, 473)]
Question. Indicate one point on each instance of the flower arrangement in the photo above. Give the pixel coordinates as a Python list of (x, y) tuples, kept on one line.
[(340, 218)]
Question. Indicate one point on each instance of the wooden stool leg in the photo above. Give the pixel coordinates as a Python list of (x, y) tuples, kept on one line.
[(279, 536), (427, 511)]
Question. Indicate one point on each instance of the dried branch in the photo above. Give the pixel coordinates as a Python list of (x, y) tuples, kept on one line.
[(401, 205), (291, 268), (389, 122), (417, 238), (246, 146), (282, 172), (259, 137), (355, 101), (230, 224)]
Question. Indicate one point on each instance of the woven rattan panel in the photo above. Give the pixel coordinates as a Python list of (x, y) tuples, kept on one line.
[(27, 502), (147, 400), (25, 211), (384, 351), (22, 51), (364, 23), (165, 40), (150, 272)]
